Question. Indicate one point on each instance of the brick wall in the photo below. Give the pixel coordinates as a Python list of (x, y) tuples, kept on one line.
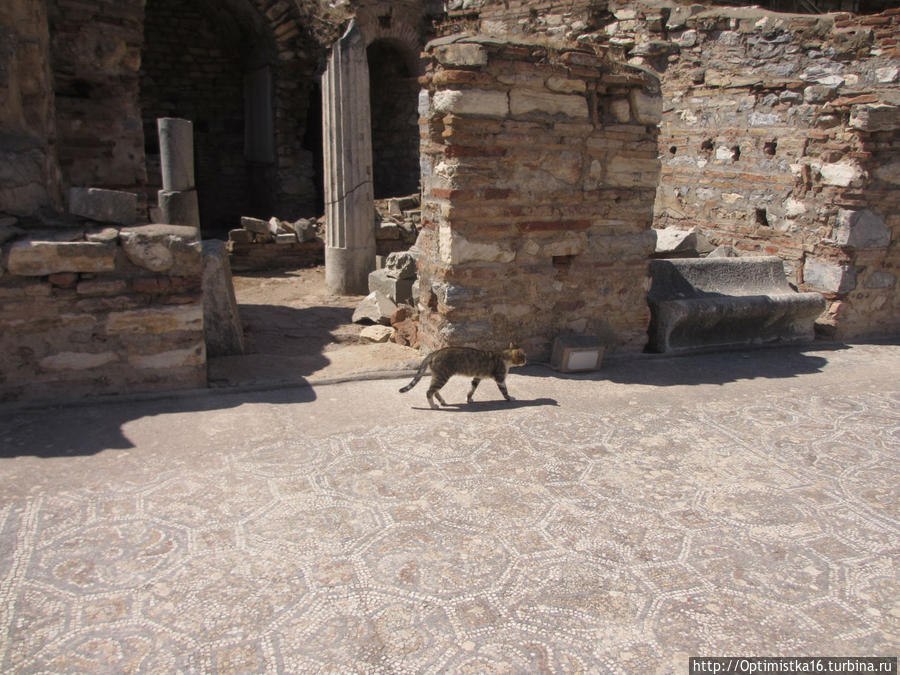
[(780, 136), (101, 311), (539, 169)]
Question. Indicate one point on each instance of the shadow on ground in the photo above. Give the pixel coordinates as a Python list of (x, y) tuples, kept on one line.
[(711, 368), (77, 430), (490, 406)]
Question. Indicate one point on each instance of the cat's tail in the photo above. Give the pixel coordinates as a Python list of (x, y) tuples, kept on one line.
[(419, 373)]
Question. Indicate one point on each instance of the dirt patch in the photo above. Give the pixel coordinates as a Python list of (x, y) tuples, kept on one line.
[(295, 331)]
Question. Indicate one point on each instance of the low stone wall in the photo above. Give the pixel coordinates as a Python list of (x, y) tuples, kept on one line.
[(101, 311), (539, 171)]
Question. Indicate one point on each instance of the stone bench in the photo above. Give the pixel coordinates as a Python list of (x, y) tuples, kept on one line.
[(709, 303)]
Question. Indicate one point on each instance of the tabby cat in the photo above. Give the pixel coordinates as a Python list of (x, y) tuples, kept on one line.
[(467, 361)]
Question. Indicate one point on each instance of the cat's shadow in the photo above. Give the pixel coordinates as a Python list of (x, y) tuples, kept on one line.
[(488, 406)]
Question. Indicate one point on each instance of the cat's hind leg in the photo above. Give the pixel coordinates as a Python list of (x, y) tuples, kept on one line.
[(471, 393), (433, 391)]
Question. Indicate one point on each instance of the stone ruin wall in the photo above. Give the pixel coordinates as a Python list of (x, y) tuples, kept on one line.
[(779, 133), (539, 170), (780, 137), (101, 310)]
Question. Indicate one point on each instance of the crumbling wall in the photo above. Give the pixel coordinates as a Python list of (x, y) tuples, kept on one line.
[(101, 310), (539, 169), (780, 136), (96, 58), (29, 171)]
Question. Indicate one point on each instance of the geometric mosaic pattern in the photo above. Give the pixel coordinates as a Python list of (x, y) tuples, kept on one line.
[(530, 539)]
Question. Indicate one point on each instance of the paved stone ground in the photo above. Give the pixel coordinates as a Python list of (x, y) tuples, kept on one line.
[(619, 522)]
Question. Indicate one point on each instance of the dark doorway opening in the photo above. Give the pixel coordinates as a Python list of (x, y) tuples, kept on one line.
[(394, 91), (214, 64)]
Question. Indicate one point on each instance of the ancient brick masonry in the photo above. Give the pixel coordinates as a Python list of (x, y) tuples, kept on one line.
[(780, 136), (539, 172), (104, 311)]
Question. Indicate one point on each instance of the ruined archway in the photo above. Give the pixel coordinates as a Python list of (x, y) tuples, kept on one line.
[(212, 63), (393, 88)]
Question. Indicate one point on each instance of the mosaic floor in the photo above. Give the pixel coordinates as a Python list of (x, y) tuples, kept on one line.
[(538, 538)]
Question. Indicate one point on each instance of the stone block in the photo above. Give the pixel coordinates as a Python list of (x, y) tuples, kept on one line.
[(255, 225), (398, 290), (156, 320), (163, 248), (672, 242), (376, 307), (400, 265), (221, 320), (829, 276), (875, 117), (41, 258), (881, 279), (842, 174), (179, 207), (478, 102), (461, 55), (530, 102), (861, 229), (576, 353), (111, 206), (647, 108), (240, 236), (377, 333), (173, 358)]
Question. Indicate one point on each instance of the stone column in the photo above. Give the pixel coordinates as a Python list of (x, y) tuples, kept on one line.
[(178, 198), (347, 134)]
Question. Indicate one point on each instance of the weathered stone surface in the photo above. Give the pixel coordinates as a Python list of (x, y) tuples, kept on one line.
[(9, 229), (108, 235), (113, 206), (472, 102), (875, 117), (63, 361), (222, 326), (881, 279), (255, 225), (398, 290), (179, 207), (462, 55), (40, 258), (647, 108), (163, 248), (375, 308), (523, 102), (722, 251), (701, 303), (176, 144), (400, 265), (156, 320), (828, 276), (171, 359), (861, 229), (377, 333), (240, 236), (842, 174), (672, 242)]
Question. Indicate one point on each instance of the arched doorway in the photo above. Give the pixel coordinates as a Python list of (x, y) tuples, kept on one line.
[(393, 91), (214, 64)]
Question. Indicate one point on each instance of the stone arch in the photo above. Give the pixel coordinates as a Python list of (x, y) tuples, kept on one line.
[(232, 67)]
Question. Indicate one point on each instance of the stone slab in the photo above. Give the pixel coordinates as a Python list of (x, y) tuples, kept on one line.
[(398, 290), (716, 303), (112, 206), (40, 258)]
